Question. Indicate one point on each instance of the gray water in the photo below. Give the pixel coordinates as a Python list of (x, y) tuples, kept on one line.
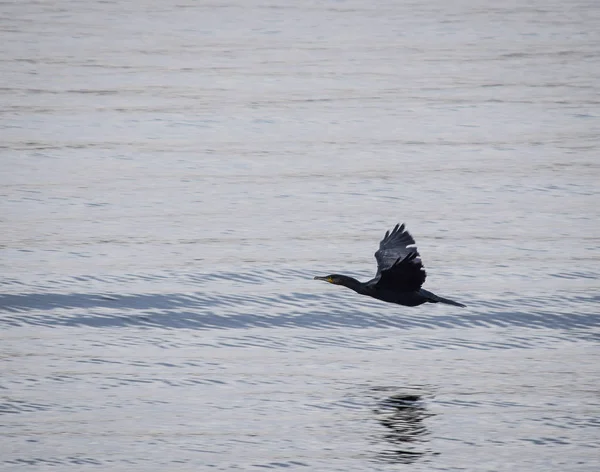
[(175, 174)]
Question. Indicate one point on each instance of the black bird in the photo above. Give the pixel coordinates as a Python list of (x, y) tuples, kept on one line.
[(400, 273)]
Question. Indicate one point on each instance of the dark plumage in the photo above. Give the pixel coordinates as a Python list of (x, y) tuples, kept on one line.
[(400, 273)]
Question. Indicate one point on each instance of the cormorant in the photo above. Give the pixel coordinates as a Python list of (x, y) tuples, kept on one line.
[(400, 273)]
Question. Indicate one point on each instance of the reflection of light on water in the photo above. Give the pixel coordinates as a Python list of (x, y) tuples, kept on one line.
[(402, 415)]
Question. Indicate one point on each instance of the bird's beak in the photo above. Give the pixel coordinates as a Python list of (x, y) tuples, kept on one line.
[(326, 279)]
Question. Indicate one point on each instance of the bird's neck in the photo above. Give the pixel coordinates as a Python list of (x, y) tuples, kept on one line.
[(352, 283)]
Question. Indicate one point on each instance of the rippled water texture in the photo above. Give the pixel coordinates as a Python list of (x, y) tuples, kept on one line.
[(175, 174)]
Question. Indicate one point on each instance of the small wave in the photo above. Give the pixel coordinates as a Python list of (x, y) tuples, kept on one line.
[(280, 465), (198, 310), (22, 406), (285, 299), (53, 461)]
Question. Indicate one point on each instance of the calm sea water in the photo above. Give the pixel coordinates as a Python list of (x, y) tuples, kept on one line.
[(175, 173)]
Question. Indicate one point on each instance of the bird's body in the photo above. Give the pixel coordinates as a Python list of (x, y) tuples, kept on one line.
[(400, 273)]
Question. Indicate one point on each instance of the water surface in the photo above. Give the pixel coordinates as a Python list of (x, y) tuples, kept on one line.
[(175, 175)]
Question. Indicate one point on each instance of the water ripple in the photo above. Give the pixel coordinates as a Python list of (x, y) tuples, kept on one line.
[(229, 311)]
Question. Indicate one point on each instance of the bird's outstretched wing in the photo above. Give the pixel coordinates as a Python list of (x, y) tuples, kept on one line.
[(399, 266)]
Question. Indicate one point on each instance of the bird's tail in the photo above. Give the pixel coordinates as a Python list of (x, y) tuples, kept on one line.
[(433, 298), (447, 301)]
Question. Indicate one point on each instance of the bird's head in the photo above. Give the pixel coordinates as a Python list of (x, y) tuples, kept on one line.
[(344, 280), (336, 279)]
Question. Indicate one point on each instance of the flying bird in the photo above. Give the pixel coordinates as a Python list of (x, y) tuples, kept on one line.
[(400, 273)]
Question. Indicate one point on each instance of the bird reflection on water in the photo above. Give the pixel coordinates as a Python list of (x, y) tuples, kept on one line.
[(402, 414)]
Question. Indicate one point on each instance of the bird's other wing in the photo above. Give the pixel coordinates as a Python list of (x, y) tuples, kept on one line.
[(394, 245), (399, 266)]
